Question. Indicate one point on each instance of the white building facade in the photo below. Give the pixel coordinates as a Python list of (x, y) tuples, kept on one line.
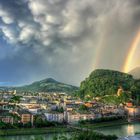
[(58, 117)]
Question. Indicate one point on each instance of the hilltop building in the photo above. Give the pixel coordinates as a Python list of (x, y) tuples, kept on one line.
[(120, 91)]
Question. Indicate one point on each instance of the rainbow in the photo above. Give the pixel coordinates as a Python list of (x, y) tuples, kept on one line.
[(131, 52)]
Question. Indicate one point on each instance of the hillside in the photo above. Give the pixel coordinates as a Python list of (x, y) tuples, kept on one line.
[(47, 85), (105, 82), (135, 72)]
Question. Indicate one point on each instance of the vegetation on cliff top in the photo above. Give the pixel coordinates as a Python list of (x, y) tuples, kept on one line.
[(107, 82)]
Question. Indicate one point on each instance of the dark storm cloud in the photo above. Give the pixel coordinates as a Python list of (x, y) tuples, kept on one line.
[(17, 10), (60, 38)]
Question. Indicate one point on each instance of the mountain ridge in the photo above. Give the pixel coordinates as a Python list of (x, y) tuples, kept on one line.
[(47, 85), (135, 72)]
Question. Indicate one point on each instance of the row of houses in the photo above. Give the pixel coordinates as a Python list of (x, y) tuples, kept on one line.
[(68, 117), (9, 117), (26, 117)]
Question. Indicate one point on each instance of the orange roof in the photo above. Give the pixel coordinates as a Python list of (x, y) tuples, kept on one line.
[(88, 104), (129, 104)]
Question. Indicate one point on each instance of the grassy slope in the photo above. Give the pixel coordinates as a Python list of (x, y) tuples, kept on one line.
[(34, 131), (104, 124)]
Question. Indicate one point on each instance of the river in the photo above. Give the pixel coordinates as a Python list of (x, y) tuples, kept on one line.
[(120, 131)]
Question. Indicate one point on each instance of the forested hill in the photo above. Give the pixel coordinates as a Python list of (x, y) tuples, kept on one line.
[(47, 85), (106, 82)]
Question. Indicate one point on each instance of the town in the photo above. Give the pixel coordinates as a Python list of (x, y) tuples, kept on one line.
[(28, 108)]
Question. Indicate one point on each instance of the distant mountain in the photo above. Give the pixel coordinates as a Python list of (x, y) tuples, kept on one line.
[(47, 85), (105, 82), (135, 72), (4, 88)]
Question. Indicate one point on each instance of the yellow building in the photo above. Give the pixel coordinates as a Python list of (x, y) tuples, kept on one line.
[(26, 116)]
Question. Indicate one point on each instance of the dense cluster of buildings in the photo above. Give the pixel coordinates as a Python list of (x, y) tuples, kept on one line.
[(58, 107)]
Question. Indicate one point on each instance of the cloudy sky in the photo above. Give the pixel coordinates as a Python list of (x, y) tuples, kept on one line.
[(64, 39)]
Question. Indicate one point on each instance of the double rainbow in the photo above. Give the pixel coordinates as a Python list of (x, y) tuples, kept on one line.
[(131, 52)]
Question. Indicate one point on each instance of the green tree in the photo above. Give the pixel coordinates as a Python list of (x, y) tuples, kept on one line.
[(83, 108), (15, 99)]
